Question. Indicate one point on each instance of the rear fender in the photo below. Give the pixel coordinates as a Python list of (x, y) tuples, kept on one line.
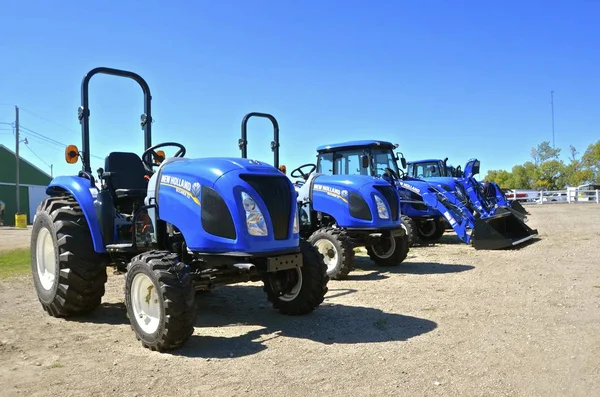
[(84, 193)]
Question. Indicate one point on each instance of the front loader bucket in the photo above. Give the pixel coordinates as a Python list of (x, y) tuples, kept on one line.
[(503, 210), (500, 231), (517, 206)]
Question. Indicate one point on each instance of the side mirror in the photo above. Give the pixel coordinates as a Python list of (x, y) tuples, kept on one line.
[(364, 161), (400, 156), (71, 154)]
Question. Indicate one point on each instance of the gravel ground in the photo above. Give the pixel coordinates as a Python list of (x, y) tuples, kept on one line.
[(11, 238), (449, 321)]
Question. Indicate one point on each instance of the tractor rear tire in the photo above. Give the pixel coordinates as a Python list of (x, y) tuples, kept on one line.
[(431, 236), (410, 227), (68, 275), (337, 251), (394, 255), (160, 300), (310, 284)]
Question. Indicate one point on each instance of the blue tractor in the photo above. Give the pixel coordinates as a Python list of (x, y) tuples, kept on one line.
[(338, 214), (341, 212), (485, 199), (177, 225), (377, 159)]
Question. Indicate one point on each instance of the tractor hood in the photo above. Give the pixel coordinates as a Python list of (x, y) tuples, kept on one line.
[(213, 168)]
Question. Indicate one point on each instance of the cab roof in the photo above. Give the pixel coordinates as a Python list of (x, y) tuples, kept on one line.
[(354, 144), (424, 161)]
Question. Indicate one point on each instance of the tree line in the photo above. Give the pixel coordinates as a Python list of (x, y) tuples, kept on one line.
[(547, 172)]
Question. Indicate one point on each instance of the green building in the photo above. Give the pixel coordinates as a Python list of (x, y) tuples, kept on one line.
[(32, 186)]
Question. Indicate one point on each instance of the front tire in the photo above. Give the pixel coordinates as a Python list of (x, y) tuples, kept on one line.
[(306, 286), (410, 228), (68, 275), (337, 251), (391, 251), (159, 297), (430, 231)]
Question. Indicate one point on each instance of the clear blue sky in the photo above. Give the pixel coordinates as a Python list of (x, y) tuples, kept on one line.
[(441, 78)]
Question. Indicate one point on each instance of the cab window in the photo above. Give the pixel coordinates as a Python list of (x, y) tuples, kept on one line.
[(325, 164)]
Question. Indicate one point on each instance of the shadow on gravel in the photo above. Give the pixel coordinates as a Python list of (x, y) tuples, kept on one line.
[(106, 313), (364, 264), (328, 324)]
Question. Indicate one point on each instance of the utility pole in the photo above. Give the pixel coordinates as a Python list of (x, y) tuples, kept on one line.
[(552, 106), (51, 173), (17, 157)]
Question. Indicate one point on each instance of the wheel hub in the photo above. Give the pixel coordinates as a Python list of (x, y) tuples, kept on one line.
[(145, 303), (385, 248), (330, 254)]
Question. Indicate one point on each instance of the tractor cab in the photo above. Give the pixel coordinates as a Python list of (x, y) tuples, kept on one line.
[(357, 158), (423, 169)]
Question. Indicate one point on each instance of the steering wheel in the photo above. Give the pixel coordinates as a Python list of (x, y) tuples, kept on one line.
[(390, 172), (302, 174), (148, 160)]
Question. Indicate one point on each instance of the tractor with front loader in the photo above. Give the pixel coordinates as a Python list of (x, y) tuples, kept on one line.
[(377, 159), (176, 225), (471, 192)]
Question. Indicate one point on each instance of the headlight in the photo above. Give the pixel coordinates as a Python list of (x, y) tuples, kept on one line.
[(296, 224), (381, 208), (255, 221)]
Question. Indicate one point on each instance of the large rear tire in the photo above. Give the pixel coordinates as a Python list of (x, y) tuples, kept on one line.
[(410, 227), (68, 275), (337, 251), (389, 252), (159, 297), (306, 286)]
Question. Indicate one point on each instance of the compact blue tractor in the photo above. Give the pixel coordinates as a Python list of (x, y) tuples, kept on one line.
[(380, 161), (177, 225), (340, 212)]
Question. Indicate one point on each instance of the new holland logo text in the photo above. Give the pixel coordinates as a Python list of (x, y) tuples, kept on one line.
[(332, 191), (182, 186)]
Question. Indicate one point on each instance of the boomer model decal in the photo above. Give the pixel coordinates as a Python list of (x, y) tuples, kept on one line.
[(182, 186), (341, 194)]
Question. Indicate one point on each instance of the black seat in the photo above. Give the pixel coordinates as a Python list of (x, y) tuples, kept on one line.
[(125, 175)]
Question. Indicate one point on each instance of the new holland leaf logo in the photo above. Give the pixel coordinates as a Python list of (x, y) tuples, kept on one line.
[(196, 189)]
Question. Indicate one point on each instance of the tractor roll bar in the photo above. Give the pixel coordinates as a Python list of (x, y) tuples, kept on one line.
[(84, 110), (243, 142)]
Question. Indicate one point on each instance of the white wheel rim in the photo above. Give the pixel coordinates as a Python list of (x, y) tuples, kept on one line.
[(324, 246), (389, 252), (145, 303), (293, 294), (45, 259)]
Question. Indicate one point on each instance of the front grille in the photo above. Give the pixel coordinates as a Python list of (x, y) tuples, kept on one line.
[(216, 218), (275, 192), (359, 207), (391, 196)]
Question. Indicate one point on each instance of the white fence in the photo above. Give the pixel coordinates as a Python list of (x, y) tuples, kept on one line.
[(571, 195)]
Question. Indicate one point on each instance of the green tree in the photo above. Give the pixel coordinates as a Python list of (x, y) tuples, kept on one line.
[(544, 152), (591, 161), (501, 177)]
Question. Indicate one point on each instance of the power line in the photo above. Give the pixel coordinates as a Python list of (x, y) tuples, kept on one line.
[(36, 155), (49, 121), (49, 140)]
